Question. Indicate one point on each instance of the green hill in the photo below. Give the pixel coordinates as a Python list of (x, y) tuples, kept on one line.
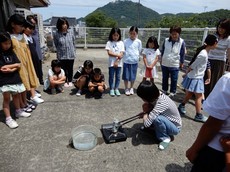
[(127, 13)]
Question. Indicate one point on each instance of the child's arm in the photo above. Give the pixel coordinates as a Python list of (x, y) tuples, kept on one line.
[(116, 55), (225, 142), (102, 83), (10, 68), (207, 81), (91, 84), (154, 62), (61, 80), (145, 61)]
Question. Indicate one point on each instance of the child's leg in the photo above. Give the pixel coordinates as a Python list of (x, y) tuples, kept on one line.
[(6, 104), (144, 79), (81, 83), (198, 102), (111, 77), (152, 80), (16, 101), (188, 96), (117, 77), (22, 98), (181, 106), (126, 83), (34, 98), (6, 108), (101, 89), (164, 130), (92, 89)]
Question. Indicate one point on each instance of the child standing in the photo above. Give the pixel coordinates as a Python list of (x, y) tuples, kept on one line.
[(20, 47), (173, 53), (10, 81), (150, 57), (55, 79), (193, 81), (82, 76), (133, 48), (115, 49), (163, 115), (97, 83)]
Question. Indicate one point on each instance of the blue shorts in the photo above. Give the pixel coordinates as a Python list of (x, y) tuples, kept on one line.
[(129, 72)]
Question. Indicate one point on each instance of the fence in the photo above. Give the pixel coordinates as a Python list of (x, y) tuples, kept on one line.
[(92, 37)]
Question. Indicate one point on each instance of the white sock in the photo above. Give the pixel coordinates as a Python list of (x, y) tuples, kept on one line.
[(8, 118)]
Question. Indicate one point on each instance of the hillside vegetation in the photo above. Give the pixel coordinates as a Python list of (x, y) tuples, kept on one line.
[(128, 13)]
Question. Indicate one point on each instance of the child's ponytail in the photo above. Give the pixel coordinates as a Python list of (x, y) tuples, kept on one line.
[(210, 40)]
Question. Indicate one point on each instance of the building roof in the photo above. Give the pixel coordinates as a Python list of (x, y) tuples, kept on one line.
[(39, 3), (71, 20)]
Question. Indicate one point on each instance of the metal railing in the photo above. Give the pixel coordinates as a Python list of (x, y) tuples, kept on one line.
[(93, 37)]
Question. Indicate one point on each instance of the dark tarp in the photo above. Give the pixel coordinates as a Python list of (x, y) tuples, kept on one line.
[(7, 8)]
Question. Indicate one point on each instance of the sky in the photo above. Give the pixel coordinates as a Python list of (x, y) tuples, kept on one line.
[(81, 8)]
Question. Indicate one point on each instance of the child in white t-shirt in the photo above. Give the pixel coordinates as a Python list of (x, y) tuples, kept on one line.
[(56, 77), (115, 49), (150, 57)]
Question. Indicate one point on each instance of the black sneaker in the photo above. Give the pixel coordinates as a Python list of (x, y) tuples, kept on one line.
[(97, 95), (88, 95)]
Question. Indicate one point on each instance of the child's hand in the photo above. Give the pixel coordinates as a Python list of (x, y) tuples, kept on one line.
[(147, 107), (183, 76), (5, 69), (225, 143), (207, 81)]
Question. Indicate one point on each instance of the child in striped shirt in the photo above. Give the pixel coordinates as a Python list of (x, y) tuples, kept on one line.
[(161, 113)]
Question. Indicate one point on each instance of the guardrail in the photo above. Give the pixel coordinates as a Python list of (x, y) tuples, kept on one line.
[(93, 37)]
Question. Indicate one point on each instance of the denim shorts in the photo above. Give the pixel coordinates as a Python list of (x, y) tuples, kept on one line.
[(129, 72)]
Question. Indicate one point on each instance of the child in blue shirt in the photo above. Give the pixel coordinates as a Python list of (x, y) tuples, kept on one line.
[(133, 48)]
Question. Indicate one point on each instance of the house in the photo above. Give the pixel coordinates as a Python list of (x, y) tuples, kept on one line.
[(8, 7)]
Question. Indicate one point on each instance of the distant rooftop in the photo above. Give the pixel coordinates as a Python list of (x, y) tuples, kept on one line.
[(52, 21), (39, 3)]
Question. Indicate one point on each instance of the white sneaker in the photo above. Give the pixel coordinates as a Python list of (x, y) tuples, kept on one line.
[(38, 94), (127, 93), (37, 100), (131, 91), (70, 84), (21, 113), (172, 95), (78, 93), (12, 123), (66, 85)]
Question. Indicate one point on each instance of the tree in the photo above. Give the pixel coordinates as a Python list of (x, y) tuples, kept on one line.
[(99, 19)]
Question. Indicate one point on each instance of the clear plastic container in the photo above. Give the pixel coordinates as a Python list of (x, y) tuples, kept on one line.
[(85, 137)]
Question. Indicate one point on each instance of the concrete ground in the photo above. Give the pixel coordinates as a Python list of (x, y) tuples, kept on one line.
[(41, 142)]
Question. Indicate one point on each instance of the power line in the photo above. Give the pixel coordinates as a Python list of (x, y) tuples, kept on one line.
[(75, 5)]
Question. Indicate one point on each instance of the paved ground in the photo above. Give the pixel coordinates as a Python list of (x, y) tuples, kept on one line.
[(41, 142)]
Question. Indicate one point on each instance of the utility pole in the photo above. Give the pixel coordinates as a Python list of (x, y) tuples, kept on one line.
[(138, 14)]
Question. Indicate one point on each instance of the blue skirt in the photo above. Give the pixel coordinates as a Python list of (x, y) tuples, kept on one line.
[(195, 85)]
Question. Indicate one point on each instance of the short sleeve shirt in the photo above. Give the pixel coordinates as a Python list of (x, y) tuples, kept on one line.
[(115, 47), (12, 77), (217, 105)]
